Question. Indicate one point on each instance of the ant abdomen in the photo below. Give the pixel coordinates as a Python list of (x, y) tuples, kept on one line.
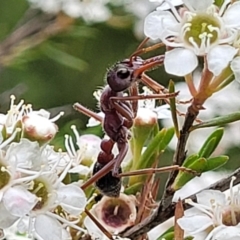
[(108, 185)]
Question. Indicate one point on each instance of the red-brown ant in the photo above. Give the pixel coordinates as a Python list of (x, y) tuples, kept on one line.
[(120, 112)]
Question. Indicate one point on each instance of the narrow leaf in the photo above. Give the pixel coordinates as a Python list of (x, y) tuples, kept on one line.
[(211, 143), (183, 177), (216, 162), (166, 139), (190, 159), (218, 121), (168, 235), (171, 88)]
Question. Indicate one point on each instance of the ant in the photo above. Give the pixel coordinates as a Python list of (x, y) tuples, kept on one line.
[(120, 112)]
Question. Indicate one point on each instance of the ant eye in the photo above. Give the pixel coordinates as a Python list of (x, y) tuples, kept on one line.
[(123, 73)]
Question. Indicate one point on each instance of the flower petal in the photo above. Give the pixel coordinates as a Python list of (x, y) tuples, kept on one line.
[(165, 5), (18, 201), (228, 232), (180, 61), (48, 228), (195, 224), (232, 17), (6, 219), (235, 66), (72, 199), (205, 197), (219, 57), (198, 5), (158, 22)]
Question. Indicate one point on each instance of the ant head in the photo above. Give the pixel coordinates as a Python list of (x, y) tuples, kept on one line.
[(121, 76)]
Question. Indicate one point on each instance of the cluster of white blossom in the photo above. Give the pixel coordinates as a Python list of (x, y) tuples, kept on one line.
[(207, 30), (31, 175), (34, 201)]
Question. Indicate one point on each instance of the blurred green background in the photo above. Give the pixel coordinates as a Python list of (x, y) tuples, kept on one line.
[(65, 66)]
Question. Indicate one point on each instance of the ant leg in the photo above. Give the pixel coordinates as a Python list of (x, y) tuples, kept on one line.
[(123, 148), (141, 50), (157, 87), (153, 85), (80, 108), (147, 65), (113, 164), (133, 91), (142, 97), (106, 169), (159, 170)]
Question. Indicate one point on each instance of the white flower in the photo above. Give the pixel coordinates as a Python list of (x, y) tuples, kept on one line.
[(214, 216), (90, 11), (197, 30), (38, 127), (115, 214), (52, 193)]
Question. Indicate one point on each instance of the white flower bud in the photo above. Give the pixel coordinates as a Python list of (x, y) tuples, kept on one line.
[(38, 128)]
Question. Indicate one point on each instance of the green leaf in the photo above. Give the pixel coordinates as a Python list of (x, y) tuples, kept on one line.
[(173, 109), (182, 178), (211, 143), (133, 189), (189, 160), (149, 157), (166, 139), (219, 3), (169, 234), (218, 121), (216, 162), (152, 149)]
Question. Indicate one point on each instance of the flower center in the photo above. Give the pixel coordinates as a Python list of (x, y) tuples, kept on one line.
[(40, 190), (201, 31), (231, 217), (116, 213), (4, 176)]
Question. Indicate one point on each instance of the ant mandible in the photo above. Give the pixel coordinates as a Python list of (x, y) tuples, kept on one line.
[(120, 112)]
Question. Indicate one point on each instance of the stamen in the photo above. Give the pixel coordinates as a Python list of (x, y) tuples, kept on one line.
[(4, 169), (56, 117), (29, 178), (223, 7), (192, 41), (12, 99), (20, 104), (72, 146), (115, 212), (201, 207), (39, 186), (67, 146), (11, 138), (74, 129), (211, 28), (230, 39), (70, 224), (64, 173), (174, 11), (91, 198)]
